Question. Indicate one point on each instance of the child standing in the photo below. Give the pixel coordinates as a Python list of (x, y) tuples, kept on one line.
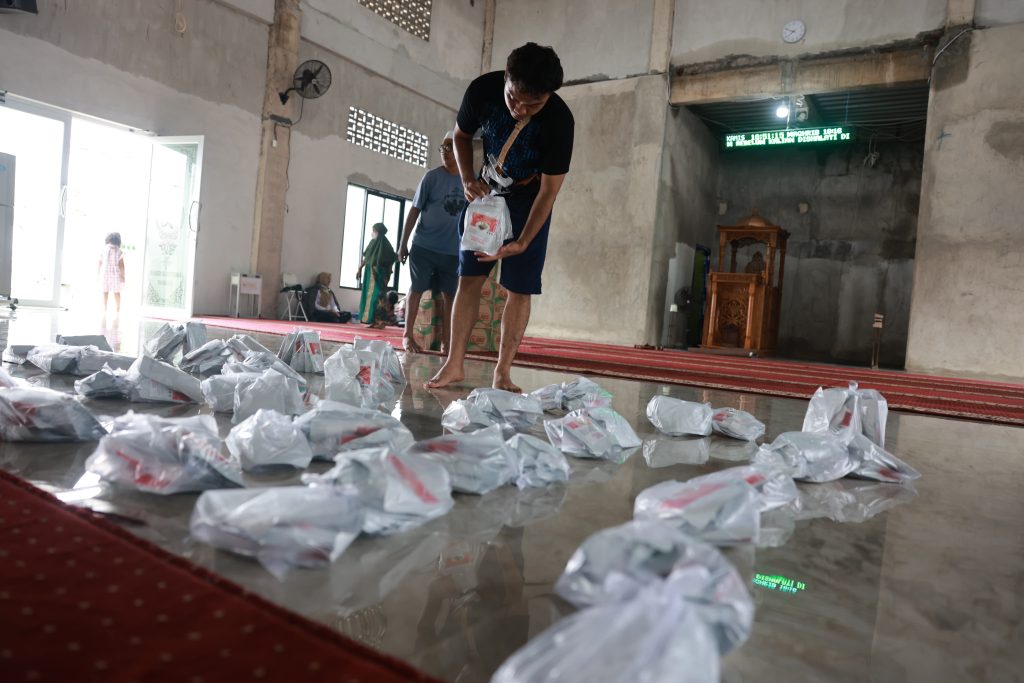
[(112, 270)]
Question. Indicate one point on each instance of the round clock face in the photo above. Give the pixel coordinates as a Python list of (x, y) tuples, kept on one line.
[(793, 31)]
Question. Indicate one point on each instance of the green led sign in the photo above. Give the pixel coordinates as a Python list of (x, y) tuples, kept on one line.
[(793, 136), (779, 583)]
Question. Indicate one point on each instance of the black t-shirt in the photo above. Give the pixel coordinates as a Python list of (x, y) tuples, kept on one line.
[(543, 146)]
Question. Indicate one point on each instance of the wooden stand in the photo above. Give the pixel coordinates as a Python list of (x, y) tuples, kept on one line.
[(743, 308)]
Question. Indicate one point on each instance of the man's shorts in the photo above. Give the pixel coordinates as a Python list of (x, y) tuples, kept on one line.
[(432, 270), (520, 273)]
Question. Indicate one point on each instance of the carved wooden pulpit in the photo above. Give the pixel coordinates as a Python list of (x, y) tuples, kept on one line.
[(743, 307)]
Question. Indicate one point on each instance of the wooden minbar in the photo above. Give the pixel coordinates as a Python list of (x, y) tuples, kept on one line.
[(743, 307)]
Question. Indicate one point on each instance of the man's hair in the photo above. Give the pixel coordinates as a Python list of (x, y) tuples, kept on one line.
[(535, 69)]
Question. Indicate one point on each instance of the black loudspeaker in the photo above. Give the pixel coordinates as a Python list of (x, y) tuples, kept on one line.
[(19, 6)]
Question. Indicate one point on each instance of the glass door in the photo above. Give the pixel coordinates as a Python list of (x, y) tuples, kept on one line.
[(172, 226), (364, 208), (37, 136)]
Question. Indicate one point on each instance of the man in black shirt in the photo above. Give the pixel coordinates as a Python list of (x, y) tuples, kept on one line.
[(527, 133)]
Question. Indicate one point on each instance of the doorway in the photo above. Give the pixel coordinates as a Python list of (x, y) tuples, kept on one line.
[(80, 179), (363, 208)]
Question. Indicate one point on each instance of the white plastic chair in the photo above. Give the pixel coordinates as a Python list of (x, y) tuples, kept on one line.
[(293, 298)]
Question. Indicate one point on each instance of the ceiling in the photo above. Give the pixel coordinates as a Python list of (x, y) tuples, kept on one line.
[(887, 113)]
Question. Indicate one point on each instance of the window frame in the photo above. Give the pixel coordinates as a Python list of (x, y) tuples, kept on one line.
[(396, 277)]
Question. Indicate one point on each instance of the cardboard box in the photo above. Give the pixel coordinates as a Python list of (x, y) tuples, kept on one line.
[(481, 339)]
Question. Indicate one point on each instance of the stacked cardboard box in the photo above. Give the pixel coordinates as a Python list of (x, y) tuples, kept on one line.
[(486, 334), (427, 332)]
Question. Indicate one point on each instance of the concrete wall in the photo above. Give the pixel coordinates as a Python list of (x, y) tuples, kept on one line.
[(967, 315), (597, 278), (998, 12), (595, 39), (849, 256), (323, 162), (122, 60), (707, 31)]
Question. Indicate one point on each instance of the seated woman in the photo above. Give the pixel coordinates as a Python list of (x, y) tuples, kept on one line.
[(385, 314), (321, 303)]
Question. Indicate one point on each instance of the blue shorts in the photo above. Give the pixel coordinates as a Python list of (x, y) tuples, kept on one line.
[(432, 270), (519, 273)]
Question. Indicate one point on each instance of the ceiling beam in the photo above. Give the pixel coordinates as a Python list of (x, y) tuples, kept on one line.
[(803, 76)]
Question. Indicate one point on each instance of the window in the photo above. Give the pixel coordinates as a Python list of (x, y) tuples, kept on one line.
[(363, 208), (388, 138), (411, 15)]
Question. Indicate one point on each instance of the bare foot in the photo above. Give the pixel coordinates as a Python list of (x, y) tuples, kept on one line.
[(446, 376), (504, 381), (410, 345)]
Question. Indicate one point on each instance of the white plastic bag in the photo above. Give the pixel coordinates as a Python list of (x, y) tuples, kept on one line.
[(593, 433), (261, 361), (195, 336), (302, 350), (846, 412), (617, 563), (153, 380), (738, 424), (75, 360), (164, 455), (680, 451), (808, 457), (269, 438), (462, 415), (9, 382), (550, 397), (849, 501), (282, 527), (37, 414), (167, 339), (538, 463), (399, 491), (486, 407), (720, 513), (219, 390), (675, 417), (341, 377), (387, 359), (332, 427), (271, 391), (486, 226), (582, 393), (206, 358), (106, 383), (874, 462), (478, 462), (774, 486)]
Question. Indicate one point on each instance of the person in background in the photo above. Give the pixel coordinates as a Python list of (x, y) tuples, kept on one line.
[(375, 272), (434, 257), (386, 310), (111, 270), (323, 305), (528, 137)]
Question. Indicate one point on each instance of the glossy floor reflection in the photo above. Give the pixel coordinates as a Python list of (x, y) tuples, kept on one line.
[(926, 589)]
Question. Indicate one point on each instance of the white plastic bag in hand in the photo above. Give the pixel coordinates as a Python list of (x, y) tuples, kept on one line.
[(593, 433), (738, 424), (676, 417), (538, 463), (164, 455), (399, 491), (334, 427), (272, 391), (655, 637), (478, 462), (721, 513), (808, 457), (269, 438), (282, 527), (486, 226), (615, 564), (37, 414)]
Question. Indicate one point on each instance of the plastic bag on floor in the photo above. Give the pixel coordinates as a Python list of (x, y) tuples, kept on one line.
[(846, 412), (738, 424), (720, 513), (477, 463), (261, 361), (615, 564), (206, 358), (538, 463), (593, 433), (36, 414), (399, 491), (808, 457), (97, 340), (17, 353), (462, 415), (195, 336), (874, 462), (153, 380), (388, 361), (269, 438), (774, 486), (847, 501), (302, 350), (732, 450), (581, 393), (164, 455), (332, 427), (676, 417), (655, 637), (167, 339), (241, 344), (550, 397), (520, 411), (680, 451), (106, 383), (363, 370), (75, 360), (270, 391), (219, 390), (281, 527), (9, 382), (486, 225), (341, 377)]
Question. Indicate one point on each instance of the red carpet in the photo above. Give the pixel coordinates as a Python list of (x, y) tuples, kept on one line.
[(928, 394), (83, 600)]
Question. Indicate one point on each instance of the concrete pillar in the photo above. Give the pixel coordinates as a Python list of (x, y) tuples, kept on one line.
[(959, 12), (662, 20), (272, 178), (486, 53)]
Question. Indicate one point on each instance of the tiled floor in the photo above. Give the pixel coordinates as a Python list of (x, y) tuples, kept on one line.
[(929, 590)]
